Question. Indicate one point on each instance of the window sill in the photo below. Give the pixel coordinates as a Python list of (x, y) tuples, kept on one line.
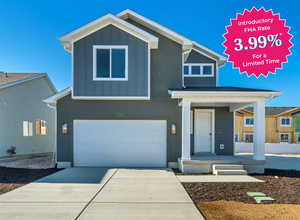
[(110, 79)]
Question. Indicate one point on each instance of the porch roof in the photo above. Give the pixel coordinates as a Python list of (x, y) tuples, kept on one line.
[(221, 91)]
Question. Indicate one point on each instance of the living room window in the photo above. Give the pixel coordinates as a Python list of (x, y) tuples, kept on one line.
[(285, 122), (110, 62), (248, 122), (27, 128), (284, 138), (40, 127), (198, 69), (248, 137)]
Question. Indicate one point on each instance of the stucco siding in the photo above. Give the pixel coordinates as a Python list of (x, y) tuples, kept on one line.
[(24, 102)]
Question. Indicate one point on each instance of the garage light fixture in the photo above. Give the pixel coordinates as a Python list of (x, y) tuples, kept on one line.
[(173, 129), (65, 128)]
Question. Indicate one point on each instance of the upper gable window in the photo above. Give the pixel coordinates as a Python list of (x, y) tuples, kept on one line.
[(198, 69), (110, 62), (285, 121)]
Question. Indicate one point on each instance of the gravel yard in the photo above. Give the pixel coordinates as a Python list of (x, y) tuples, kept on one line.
[(11, 178), (230, 201)]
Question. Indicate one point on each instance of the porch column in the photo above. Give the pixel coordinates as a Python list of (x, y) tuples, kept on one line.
[(186, 126), (259, 130)]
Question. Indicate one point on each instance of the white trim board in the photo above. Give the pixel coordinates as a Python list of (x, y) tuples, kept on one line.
[(187, 44), (68, 39)]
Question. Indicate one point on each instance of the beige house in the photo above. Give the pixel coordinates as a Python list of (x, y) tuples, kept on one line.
[(282, 125)]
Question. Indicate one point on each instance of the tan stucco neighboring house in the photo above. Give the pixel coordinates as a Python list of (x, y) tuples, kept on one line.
[(27, 124), (282, 125)]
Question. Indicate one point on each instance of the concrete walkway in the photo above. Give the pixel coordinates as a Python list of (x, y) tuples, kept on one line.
[(98, 193)]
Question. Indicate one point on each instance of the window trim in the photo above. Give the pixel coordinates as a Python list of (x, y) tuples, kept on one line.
[(282, 125), (289, 138), (201, 69), (297, 138), (95, 47), (247, 125), (237, 137), (244, 140), (27, 127)]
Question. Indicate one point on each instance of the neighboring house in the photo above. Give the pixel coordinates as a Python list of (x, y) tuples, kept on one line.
[(145, 96), (26, 122), (282, 125)]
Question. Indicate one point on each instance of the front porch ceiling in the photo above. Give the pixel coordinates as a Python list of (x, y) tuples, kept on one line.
[(232, 106)]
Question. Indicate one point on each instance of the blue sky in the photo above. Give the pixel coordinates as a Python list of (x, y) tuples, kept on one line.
[(30, 31)]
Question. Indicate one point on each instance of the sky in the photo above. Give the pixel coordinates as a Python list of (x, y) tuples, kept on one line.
[(29, 32)]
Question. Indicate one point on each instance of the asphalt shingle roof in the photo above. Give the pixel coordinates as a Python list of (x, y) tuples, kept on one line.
[(273, 110), (6, 78), (221, 89)]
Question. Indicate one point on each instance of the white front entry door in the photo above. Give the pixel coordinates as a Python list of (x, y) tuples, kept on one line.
[(203, 130)]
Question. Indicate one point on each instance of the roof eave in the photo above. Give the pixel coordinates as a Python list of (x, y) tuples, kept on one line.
[(68, 39), (186, 94)]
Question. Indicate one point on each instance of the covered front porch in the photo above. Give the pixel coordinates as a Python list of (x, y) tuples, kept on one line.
[(208, 127)]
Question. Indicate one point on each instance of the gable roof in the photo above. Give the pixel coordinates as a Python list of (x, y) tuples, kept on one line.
[(187, 43), (7, 78), (274, 111), (73, 36), (120, 21), (156, 27), (51, 101), (13, 79)]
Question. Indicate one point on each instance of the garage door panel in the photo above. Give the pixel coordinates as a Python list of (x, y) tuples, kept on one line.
[(120, 143)]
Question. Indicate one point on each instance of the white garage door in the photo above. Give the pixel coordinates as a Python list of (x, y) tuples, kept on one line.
[(110, 143)]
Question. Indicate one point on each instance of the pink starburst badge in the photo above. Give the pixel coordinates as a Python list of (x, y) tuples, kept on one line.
[(257, 42)]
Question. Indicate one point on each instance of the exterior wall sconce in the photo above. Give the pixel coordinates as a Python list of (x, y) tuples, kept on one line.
[(65, 128), (173, 129)]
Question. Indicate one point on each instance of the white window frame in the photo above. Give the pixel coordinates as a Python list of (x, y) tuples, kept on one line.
[(247, 125), (27, 129), (282, 125), (110, 47), (238, 137), (201, 69), (297, 138), (43, 127), (289, 138), (248, 134)]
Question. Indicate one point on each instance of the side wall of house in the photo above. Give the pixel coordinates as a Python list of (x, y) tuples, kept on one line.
[(24, 102)]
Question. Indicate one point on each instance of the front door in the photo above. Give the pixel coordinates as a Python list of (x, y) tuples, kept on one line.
[(203, 130)]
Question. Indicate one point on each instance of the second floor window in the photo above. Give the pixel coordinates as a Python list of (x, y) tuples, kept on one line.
[(110, 62), (248, 122), (248, 138), (198, 69), (285, 122)]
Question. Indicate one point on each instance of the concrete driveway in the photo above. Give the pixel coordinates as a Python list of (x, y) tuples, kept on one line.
[(99, 193)]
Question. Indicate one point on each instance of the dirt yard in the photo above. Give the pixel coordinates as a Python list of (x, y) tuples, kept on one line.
[(11, 178), (230, 201)]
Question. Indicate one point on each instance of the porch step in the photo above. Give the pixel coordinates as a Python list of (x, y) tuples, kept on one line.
[(228, 169)]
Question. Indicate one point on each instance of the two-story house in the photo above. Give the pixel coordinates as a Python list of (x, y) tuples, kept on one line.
[(282, 125), (143, 95)]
